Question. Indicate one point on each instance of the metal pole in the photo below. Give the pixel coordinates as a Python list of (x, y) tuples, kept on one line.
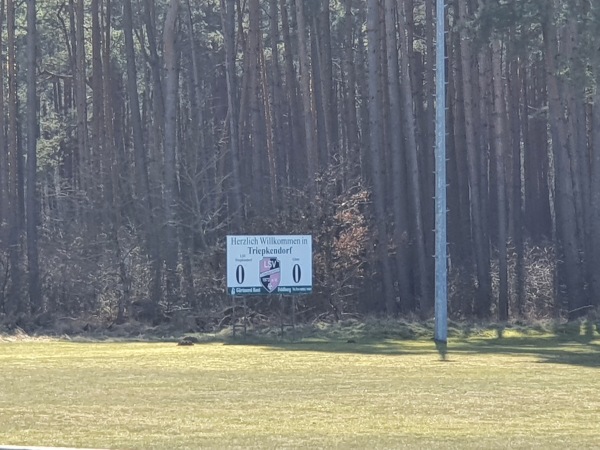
[(293, 317), (281, 315), (245, 318), (233, 318), (441, 267)]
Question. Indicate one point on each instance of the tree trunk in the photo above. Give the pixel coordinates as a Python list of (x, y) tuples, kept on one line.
[(414, 174), (142, 185), (318, 98), (155, 94), (427, 103), (228, 22), (114, 162), (269, 125), (500, 146), (479, 236), (376, 152), (206, 160), (352, 154), (296, 160), (330, 110), (363, 91), (35, 299), (516, 225), (595, 175), (277, 99), (595, 205), (170, 187), (97, 160), (4, 156), (15, 304), (461, 246), (565, 201), (538, 220), (81, 96), (305, 89), (400, 208), (257, 135), (154, 58), (574, 92)]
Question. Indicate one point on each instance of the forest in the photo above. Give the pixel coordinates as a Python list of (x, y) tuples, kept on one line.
[(136, 134)]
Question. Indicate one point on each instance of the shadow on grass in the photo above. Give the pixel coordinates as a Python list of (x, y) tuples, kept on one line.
[(568, 344), (577, 350), (364, 347)]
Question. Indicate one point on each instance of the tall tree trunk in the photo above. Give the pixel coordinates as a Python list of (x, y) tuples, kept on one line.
[(595, 165), (352, 159), (500, 130), (482, 306), (461, 247), (516, 225), (259, 155), (565, 199), (115, 162), (595, 200), (305, 89), (277, 114), (142, 185), (269, 124), (35, 298), (538, 220), (318, 98), (428, 138), (483, 127), (14, 294), (376, 151), (330, 110), (296, 161), (98, 139), (414, 174), (154, 58), (4, 156), (228, 22), (401, 234), (81, 96), (208, 162), (155, 95), (170, 53), (574, 92)]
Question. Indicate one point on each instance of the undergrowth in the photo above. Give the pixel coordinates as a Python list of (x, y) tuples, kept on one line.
[(349, 330)]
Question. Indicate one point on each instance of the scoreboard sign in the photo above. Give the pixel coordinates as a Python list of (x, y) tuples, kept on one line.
[(260, 265)]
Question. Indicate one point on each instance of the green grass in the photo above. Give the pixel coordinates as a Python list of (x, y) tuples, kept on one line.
[(518, 391)]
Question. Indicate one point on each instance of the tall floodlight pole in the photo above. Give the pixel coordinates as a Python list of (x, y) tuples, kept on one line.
[(441, 267)]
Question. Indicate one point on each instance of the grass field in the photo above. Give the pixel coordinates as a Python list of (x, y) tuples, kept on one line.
[(536, 391)]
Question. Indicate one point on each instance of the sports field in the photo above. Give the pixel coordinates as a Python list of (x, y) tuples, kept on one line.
[(536, 391)]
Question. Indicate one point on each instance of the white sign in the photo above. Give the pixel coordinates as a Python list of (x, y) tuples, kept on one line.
[(269, 265)]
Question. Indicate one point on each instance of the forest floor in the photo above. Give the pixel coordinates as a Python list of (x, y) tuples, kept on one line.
[(352, 386)]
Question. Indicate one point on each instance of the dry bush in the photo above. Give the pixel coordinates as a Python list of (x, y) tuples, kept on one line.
[(79, 278), (538, 289), (336, 220), (538, 295), (462, 290), (341, 258)]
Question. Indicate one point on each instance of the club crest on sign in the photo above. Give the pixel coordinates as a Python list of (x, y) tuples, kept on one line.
[(269, 273)]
